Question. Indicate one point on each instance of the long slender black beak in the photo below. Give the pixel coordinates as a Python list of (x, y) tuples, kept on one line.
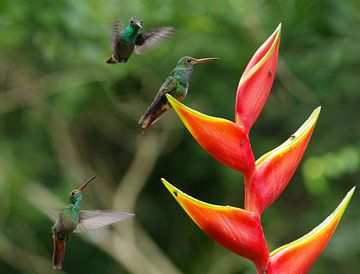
[(202, 60), (82, 188)]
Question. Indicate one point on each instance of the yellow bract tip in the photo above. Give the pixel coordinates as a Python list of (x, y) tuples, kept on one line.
[(171, 99), (332, 219), (181, 196), (179, 106), (170, 187), (267, 55)]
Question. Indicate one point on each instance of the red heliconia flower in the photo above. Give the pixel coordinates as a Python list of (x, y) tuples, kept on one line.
[(240, 230)]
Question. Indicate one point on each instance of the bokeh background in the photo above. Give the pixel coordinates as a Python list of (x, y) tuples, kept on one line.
[(65, 115)]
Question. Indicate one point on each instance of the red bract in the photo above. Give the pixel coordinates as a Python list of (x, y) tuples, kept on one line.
[(240, 230), (224, 140), (236, 229), (275, 169), (256, 81)]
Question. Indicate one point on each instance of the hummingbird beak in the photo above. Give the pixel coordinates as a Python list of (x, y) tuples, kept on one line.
[(202, 60), (82, 188), (139, 24)]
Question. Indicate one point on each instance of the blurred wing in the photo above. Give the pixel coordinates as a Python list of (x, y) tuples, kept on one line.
[(147, 40), (93, 219), (52, 213), (116, 34)]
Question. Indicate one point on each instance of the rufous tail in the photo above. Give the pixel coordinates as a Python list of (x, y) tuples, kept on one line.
[(146, 124), (59, 253)]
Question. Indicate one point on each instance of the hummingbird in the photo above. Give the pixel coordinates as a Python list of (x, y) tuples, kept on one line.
[(129, 39), (176, 85), (72, 219)]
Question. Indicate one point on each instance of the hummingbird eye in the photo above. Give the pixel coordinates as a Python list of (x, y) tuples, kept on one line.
[(131, 21), (188, 60)]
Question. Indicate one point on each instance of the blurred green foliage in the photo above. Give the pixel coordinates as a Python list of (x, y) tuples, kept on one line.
[(65, 115)]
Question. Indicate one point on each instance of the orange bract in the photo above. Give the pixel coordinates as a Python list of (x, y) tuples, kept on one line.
[(224, 140), (234, 228)]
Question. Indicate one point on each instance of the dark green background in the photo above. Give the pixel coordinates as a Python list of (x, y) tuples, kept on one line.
[(65, 115)]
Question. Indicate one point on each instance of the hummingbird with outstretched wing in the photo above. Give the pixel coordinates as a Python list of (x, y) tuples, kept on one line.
[(72, 219), (125, 41), (176, 84)]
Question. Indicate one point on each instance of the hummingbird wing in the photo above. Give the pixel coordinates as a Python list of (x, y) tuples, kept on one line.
[(159, 101), (116, 34), (93, 219), (147, 40), (52, 213)]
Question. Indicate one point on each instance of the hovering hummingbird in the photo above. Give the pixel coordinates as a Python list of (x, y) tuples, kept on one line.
[(129, 39), (176, 85), (72, 219)]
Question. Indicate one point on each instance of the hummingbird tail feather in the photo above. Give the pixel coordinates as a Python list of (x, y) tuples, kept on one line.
[(141, 120), (145, 121), (154, 112), (151, 120), (59, 253), (147, 124), (111, 60)]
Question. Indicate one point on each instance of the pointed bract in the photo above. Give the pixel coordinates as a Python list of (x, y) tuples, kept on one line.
[(275, 169), (236, 229), (256, 81), (297, 257), (224, 140)]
